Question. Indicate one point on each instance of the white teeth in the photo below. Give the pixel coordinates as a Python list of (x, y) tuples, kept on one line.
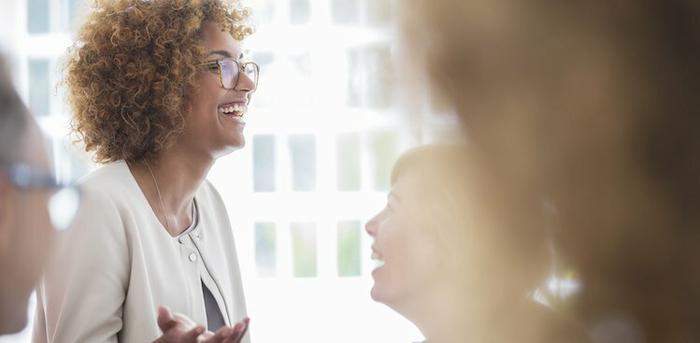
[(377, 260), (238, 109), (378, 263)]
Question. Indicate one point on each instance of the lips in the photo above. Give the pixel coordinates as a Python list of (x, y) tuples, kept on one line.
[(237, 109), (377, 259)]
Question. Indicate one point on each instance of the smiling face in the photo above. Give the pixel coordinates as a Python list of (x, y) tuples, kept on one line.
[(404, 246), (215, 123)]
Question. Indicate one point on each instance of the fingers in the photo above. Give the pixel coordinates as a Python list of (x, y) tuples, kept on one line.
[(239, 331), (192, 335), (166, 321), (185, 320), (246, 321), (219, 336), (235, 333)]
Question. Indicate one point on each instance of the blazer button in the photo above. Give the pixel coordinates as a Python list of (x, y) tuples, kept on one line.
[(193, 257)]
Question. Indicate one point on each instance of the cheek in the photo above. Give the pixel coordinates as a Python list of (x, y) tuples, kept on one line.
[(36, 236), (208, 95), (416, 253)]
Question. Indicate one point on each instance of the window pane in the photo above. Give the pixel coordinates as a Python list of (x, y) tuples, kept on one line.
[(304, 249), (39, 87), (263, 11), (349, 242), (345, 12), (264, 95), (356, 78), (299, 81), (266, 249), (378, 12), (370, 76), (38, 16), (379, 76), (264, 163), (303, 154), (349, 177), (76, 10), (384, 148), (300, 11)]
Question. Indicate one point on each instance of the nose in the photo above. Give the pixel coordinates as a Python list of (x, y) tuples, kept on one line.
[(245, 83), (372, 225)]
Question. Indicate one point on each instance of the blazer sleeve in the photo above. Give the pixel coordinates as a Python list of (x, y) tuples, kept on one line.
[(81, 296)]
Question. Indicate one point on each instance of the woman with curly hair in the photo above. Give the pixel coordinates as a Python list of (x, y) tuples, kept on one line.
[(158, 90)]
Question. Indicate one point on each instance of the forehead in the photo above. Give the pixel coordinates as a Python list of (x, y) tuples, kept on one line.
[(407, 187), (220, 42)]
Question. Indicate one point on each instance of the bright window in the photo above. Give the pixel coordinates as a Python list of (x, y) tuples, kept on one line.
[(322, 134)]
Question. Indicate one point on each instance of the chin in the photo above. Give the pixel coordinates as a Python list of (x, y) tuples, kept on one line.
[(237, 142), (380, 294)]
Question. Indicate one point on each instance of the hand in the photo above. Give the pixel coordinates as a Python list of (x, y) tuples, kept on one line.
[(178, 328)]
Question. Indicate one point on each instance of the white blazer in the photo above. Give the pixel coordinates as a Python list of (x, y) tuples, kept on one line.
[(116, 264)]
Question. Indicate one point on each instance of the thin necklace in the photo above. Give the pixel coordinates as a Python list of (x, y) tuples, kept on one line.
[(162, 207)]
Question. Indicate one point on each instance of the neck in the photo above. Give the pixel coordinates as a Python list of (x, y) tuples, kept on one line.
[(439, 317), (450, 315), (178, 175)]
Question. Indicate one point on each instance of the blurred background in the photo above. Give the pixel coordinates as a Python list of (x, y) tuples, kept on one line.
[(323, 131)]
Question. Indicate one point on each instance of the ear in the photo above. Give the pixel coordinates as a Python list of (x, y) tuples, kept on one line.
[(8, 214)]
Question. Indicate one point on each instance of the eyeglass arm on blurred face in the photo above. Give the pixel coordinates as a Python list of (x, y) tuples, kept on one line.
[(64, 201), (26, 177)]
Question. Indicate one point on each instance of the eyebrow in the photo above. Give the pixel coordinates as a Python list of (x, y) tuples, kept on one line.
[(223, 53)]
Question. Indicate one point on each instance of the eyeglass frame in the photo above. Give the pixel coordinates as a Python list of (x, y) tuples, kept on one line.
[(241, 69), (28, 178)]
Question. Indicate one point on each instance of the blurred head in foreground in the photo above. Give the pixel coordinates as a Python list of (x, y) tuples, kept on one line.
[(445, 265), (25, 230), (593, 106)]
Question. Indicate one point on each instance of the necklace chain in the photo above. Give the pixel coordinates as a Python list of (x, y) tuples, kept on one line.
[(162, 206)]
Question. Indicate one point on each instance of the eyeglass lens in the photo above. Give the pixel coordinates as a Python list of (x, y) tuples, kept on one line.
[(229, 73)]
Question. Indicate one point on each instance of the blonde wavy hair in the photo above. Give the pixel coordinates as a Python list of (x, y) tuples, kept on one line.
[(132, 72)]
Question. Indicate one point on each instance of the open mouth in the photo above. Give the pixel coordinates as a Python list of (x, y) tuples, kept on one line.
[(233, 109), (377, 260)]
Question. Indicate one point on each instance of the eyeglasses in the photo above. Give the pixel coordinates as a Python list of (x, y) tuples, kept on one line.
[(64, 200), (229, 71)]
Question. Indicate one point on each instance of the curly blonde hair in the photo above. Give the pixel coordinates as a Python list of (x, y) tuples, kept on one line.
[(133, 69)]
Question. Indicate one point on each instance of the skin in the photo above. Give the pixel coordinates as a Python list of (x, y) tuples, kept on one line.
[(26, 236), (208, 135), (180, 170), (412, 281), (402, 240), (178, 328), (418, 282)]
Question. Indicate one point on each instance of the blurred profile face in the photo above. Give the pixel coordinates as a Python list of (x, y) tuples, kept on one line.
[(26, 235), (215, 124), (404, 246)]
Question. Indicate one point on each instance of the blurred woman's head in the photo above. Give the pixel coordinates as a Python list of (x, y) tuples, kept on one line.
[(139, 79), (26, 234), (428, 244), (593, 105)]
